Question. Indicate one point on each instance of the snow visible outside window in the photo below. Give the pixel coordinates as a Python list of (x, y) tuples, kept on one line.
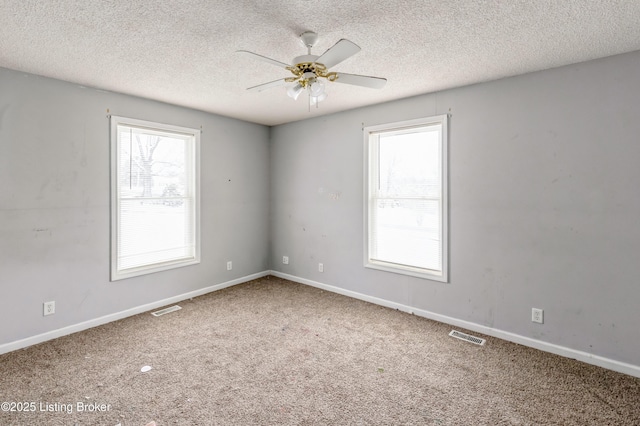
[(406, 198), (155, 195)]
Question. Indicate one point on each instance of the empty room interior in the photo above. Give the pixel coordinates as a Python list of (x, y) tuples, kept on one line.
[(177, 152)]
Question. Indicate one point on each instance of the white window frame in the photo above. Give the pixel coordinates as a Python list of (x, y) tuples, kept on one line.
[(370, 185), (194, 176)]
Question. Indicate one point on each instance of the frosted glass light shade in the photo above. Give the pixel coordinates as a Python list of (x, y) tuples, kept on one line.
[(294, 91)]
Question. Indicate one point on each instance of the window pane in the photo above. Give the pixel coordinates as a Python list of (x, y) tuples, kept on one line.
[(154, 231), (151, 165), (410, 163), (407, 232)]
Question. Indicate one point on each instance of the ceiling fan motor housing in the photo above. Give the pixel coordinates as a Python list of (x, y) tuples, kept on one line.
[(304, 59)]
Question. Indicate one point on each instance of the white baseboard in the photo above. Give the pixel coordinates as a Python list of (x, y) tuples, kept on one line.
[(610, 364), (33, 340)]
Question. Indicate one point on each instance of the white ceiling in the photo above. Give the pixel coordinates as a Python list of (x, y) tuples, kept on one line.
[(184, 51)]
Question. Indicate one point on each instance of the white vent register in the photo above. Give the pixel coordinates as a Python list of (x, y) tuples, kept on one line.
[(166, 310), (467, 337)]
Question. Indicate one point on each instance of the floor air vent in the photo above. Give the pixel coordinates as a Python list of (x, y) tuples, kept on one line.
[(467, 337), (166, 310)]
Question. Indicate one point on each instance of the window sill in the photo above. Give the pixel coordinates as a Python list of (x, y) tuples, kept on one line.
[(144, 270), (407, 270)]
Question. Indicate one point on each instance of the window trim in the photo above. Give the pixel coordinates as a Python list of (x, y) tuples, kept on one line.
[(442, 120), (116, 121)]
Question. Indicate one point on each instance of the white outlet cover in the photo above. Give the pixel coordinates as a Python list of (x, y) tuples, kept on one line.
[(537, 315), (285, 260), (48, 308)]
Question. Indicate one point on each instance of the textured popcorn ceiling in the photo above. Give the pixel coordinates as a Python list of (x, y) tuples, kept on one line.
[(183, 51)]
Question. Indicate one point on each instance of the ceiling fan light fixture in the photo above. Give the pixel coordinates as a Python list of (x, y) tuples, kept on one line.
[(317, 87), (294, 91), (316, 99)]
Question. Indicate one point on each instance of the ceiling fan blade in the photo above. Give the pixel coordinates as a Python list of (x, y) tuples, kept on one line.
[(340, 51), (361, 80), (261, 87), (263, 58)]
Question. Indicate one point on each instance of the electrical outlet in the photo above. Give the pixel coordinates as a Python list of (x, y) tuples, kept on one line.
[(537, 315), (285, 260), (49, 308), (229, 265), (320, 267)]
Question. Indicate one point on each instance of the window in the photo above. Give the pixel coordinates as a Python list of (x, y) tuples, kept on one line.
[(154, 197), (406, 197)]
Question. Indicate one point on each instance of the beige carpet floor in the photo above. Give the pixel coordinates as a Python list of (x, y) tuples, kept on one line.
[(273, 352)]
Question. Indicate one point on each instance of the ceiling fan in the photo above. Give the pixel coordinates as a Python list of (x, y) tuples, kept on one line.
[(310, 71)]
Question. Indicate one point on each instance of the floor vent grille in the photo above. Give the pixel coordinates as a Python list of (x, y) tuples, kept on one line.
[(166, 310), (467, 337)]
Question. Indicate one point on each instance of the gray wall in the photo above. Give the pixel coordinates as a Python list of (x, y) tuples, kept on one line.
[(54, 204), (544, 205), (543, 209)]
